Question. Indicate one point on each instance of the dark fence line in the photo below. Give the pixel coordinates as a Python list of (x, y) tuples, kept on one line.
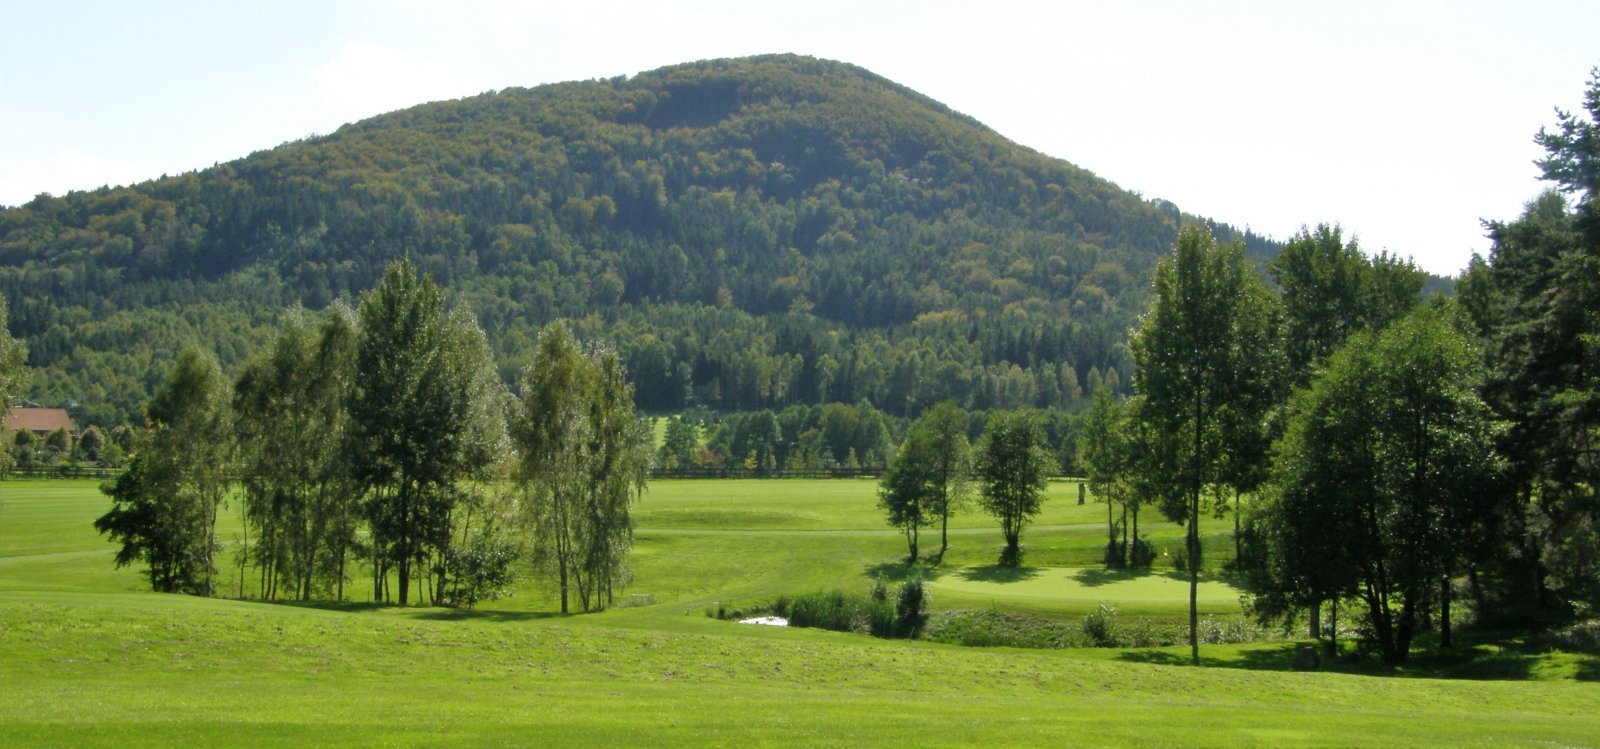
[(94, 472), (64, 472), (759, 473)]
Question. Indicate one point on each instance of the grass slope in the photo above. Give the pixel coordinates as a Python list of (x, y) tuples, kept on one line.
[(89, 660)]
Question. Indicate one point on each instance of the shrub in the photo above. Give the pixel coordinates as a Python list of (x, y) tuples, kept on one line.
[(1141, 553), (484, 571), (1114, 556), (879, 618), (832, 610), (1212, 631), (880, 590), (1100, 626), (911, 605), (996, 629)]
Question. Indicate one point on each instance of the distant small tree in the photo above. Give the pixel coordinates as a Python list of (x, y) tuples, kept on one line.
[(90, 444), (1012, 467), (1105, 455), (679, 442), (59, 442)]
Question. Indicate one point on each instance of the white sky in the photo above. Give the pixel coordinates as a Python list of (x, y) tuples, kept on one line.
[(1405, 122)]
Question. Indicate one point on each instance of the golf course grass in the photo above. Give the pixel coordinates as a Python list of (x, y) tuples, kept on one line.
[(89, 658)]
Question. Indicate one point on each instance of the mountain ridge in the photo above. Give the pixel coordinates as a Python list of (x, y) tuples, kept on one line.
[(774, 192)]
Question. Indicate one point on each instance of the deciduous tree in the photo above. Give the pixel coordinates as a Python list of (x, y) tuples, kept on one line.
[(1385, 470), (1203, 351), (164, 508), (1012, 466), (583, 460)]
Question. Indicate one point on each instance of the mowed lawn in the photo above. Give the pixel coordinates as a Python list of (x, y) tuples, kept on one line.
[(89, 659)]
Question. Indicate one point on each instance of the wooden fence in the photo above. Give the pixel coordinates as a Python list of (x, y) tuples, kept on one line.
[(759, 473), (64, 472)]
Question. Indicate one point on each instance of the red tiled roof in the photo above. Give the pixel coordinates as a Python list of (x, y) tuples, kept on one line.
[(39, 420)]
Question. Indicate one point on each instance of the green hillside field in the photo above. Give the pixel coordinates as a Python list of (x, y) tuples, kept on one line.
[(88, 658)]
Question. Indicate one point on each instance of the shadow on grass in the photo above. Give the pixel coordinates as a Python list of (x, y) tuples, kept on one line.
[(996, 573), (1268, 658), (1093, 576), (435, 613), (1480, 662), (460, 615)]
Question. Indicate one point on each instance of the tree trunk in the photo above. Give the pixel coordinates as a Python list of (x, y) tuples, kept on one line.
[(1124, 527), (1237, 541), (1194, 581), (563, 566), (1333, 627), (1194, 531), (1444, 612), (944, 529), (1111, 526), (1315, 624)]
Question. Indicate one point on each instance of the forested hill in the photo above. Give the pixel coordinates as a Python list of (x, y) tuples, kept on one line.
[(749, 233)]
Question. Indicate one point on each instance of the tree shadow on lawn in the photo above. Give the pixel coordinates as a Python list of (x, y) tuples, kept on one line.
[(1267, 658), (438, 613), (486, 615), (898, 571), (1090, 577), (1476, 663), (997, 573)]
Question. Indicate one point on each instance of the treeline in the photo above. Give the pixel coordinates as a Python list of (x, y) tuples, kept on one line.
[(829, 437), (753, 233), (381, 440)]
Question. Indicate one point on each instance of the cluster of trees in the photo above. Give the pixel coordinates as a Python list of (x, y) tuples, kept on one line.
[(753, 234), (1397, 451), (381, 437), (937, 469), (103, 448)]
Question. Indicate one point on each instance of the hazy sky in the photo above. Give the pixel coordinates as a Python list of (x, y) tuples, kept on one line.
[(1405, 122)]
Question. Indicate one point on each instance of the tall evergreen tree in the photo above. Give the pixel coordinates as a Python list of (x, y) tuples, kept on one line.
[(1535, 303)]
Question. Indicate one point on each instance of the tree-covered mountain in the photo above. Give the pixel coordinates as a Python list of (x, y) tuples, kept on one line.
[(748, 233)]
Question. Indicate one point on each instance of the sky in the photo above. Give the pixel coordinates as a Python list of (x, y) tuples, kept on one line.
[(1406, 123)]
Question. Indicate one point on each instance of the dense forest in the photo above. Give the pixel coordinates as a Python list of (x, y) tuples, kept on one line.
[(750, 234)]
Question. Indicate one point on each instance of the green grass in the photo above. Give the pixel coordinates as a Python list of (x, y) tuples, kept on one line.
[(89, 659)]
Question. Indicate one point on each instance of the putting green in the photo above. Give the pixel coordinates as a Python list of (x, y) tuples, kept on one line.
[(1083, 588)]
